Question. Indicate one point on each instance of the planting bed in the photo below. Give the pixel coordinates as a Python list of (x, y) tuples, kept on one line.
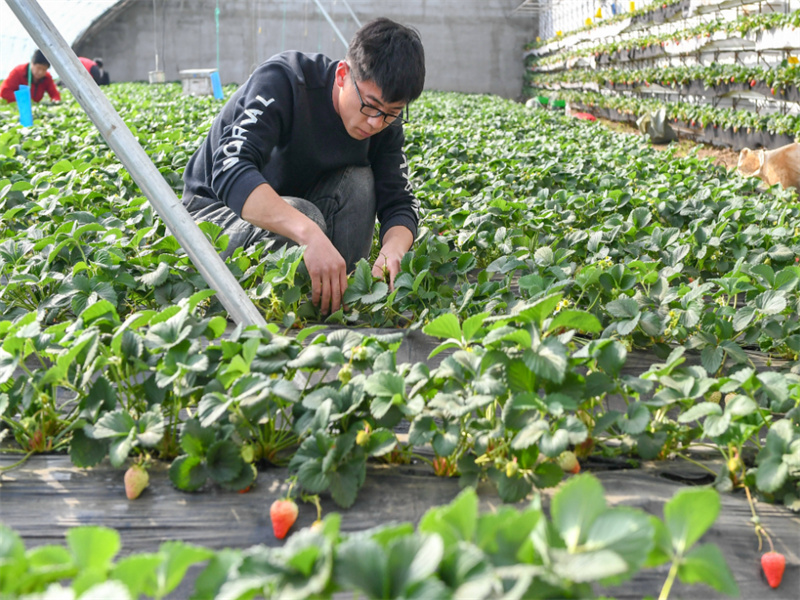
[(729, 80), (573, 293)]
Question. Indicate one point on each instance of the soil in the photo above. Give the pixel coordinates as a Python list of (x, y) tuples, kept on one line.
[(721, 156)]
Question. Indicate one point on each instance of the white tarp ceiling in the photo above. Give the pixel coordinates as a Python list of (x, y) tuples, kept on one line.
[(71, 18)]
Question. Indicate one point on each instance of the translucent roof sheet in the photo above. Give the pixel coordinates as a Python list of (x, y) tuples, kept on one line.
[(71, 18)]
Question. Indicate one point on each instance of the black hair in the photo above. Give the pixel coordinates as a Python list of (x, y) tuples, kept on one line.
[(98, 62), (39, 59), (390, 55)]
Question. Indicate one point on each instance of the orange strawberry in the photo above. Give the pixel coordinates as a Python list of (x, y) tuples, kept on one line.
[(283, 514), (773, 564), (136, 479), (569, 462)]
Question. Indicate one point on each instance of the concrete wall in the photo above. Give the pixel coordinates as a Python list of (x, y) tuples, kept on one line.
[(470, 45)]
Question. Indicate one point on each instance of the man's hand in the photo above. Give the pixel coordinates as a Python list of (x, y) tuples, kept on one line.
[(266, 209), (328, 273), (396, 242)]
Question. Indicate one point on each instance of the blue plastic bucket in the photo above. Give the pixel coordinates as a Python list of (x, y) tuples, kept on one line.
[(216, 85), (23, 96)]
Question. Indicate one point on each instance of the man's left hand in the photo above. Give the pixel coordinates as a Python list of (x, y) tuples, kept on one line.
[(388, 263), (396, 242)]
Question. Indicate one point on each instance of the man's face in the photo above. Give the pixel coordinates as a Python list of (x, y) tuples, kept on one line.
[(38, 71), (353, 96)]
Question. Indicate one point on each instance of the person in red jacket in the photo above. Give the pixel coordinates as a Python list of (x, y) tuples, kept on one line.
[(33, 74), (93, 68)]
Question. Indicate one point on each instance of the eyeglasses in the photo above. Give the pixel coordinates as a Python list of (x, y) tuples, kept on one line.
[(371, 111)]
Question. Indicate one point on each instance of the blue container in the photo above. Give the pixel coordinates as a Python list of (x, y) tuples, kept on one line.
[(216, 85), (23, 96)]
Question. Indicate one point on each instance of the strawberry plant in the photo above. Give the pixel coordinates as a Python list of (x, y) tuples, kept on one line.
[(550, 252), (455, 550)]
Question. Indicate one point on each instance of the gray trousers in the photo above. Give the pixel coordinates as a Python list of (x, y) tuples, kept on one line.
[(342, 204)]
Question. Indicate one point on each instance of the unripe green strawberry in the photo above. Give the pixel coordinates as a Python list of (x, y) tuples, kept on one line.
[(283, 514), (136, 479), (512, 468), (345, 374), (715, 397), (248, 453), (773, 565), (735, 465), (359, 353), (569, 462), (362, 437)]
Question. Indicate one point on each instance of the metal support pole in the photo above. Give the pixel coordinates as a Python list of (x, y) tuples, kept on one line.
[(133, 157), (330, 21), (352, 13), (155, 33)]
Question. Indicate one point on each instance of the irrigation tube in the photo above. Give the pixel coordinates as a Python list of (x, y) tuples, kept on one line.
[(136, 161)]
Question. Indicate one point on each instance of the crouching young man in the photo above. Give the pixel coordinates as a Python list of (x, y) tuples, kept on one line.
[(310, 150)]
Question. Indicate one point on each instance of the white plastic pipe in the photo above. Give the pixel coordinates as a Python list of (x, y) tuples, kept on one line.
[(136, 161)]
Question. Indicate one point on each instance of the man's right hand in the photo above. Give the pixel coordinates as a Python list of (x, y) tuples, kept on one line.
[(328, 272)]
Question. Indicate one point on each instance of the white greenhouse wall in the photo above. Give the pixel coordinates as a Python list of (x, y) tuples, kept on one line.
[(470, 45)]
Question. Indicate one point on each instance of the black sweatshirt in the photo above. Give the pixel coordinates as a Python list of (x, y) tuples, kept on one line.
[(281, 128)]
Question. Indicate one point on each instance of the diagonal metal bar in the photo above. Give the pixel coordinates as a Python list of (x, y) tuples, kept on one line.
[(330, 22), (352, 12), (133, 157)]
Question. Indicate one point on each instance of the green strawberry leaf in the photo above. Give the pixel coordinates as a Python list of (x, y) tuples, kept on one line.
[(706, 564), (454, 522), (93, 547), (223, 461), (575, 507), (188, 473), (688, 515)]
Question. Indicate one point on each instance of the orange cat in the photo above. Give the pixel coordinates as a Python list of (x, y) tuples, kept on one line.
[(781, 165)]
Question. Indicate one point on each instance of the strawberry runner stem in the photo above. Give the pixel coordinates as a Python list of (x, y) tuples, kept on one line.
[(19, 463), (756, 520), (673, 573), (696, 463)]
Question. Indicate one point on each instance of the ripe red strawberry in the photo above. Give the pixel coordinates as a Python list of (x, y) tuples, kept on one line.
[(136, 479), (283, 514), (752, 83), (773, 564), (569, 462)]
